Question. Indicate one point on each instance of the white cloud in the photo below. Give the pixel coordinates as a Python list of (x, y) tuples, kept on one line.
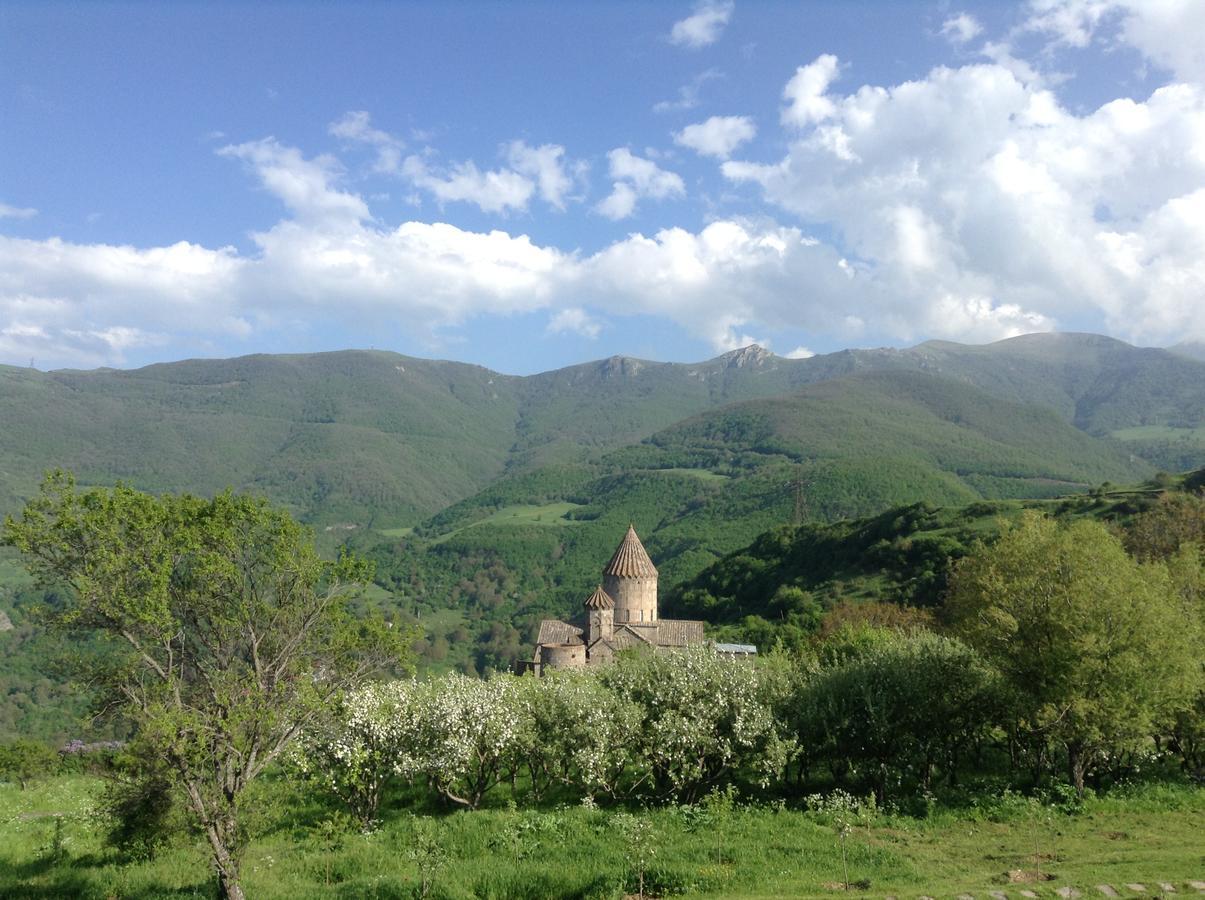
[(545, 164), (497, 191), (704, 25), (574, 320), (306, 186), (529, 170), (806, 92), (718, 136), (16, 212), (961, 28), (975, 206), (635, 178), (1168, 32), (800, 353)]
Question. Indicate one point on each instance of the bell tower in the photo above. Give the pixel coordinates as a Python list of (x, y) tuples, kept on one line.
[(600, 616), (631, 579)]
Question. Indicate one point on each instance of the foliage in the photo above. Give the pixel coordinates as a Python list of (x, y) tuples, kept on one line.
[(706, 718), (899, 706), (227, 633), (1096, 647), (138, 803), (25, 760)]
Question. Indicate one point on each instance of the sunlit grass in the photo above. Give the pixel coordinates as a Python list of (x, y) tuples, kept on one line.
[(1149, 836)]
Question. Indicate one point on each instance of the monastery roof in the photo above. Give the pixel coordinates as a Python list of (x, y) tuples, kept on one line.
[(662, 633), (631, 560), (669, 632), (600, 599), (554, 631)]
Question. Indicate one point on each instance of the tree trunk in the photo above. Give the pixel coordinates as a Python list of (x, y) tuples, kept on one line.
[(225, 857), (229, 886), (1077, 763)]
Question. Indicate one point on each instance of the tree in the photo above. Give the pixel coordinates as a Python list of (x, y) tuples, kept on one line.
[(706, 718), (1097, 648), (227, 632), (907, 702), (24, 760)]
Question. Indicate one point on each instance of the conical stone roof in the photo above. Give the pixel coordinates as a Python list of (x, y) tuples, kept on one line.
[(631, 560), (600, 599)]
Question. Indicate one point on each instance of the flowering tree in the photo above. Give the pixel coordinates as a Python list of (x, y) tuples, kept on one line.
[(583, 734), (369, 739), (706, 717), (469, 734)]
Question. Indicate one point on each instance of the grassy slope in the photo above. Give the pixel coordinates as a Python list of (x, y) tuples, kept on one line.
[(1150, 837)]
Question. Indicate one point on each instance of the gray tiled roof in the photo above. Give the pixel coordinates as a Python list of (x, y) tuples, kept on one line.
[(554, 631), (678, 632)]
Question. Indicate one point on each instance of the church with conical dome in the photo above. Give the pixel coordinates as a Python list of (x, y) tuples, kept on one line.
[(620, 614)]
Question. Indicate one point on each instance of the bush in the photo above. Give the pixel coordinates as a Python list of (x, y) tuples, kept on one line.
[(23, 761)]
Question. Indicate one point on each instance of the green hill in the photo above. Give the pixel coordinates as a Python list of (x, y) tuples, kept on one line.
[(365, 438), (533, 544), (371, 439), (779, 583)]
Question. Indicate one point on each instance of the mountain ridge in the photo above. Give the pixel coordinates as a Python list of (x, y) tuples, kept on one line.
[(381, 439)]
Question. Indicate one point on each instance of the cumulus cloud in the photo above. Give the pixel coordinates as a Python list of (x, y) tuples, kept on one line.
[(718, 136), (494, 191), (986, 208), (704, 26), (806, 92), (84, 304), (16, 212), (961, 28), (634, 178), (1168, 32), (574, 320)]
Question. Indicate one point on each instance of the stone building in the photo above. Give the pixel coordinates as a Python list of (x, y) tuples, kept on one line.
[(620, 614)]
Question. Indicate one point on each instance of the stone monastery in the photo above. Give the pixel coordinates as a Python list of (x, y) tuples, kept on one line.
[(620, 614)]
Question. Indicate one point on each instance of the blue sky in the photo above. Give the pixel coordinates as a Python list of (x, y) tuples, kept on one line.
[(528, 185)]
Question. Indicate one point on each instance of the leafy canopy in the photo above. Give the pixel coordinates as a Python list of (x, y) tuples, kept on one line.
[(228, 632)]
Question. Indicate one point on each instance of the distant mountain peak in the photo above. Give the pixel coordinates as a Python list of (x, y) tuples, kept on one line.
[(621, 366), (747, 357)]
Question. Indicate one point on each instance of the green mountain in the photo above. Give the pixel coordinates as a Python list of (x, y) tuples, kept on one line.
[(377, 440), (533, 544), (359, 437)]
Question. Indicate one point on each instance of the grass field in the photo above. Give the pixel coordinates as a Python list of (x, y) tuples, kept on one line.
[(552, 514), (1149, 835)]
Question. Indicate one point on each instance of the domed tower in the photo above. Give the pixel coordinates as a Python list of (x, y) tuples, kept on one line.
[(600, 616), (631, 579)]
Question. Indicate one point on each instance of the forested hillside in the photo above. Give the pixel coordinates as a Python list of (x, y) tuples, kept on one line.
[(376, 440), (485, 570), (783, 583), (490, 501)]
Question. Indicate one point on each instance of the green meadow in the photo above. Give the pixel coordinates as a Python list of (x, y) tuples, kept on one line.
[(51, 846)]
